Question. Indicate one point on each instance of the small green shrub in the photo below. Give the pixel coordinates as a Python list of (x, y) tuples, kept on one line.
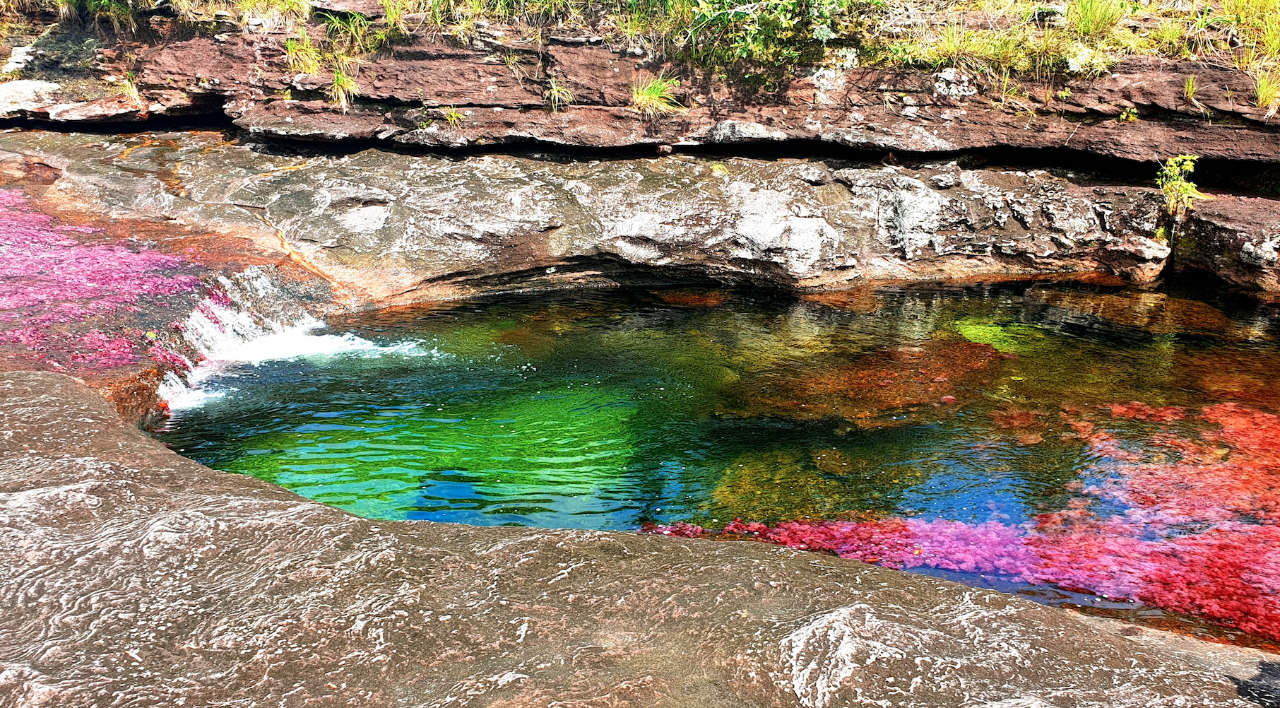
[(1180, 194), (452, 116), (1189, 88), (394, 12)]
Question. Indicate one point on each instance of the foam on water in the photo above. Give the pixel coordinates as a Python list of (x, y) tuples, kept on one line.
[(228, 337)]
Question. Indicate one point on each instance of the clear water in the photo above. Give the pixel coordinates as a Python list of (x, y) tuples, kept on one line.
[(609, 410)]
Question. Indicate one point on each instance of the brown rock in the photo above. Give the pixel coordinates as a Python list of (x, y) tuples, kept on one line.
[(371, 9), (595, 75), (1234, 238)]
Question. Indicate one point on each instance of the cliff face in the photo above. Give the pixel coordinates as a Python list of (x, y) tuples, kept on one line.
[(390, 228), (498, 86)]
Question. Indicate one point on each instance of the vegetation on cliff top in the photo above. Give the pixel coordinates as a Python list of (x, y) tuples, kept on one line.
[(759, 42), (995, 35)]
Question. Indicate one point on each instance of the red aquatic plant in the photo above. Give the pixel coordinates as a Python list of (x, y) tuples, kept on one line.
[(1196, 534), (1141, 411)]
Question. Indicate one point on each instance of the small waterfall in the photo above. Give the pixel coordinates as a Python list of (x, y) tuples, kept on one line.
[(228, 329)]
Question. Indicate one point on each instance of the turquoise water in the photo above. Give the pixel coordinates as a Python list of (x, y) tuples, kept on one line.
[(609, 410)]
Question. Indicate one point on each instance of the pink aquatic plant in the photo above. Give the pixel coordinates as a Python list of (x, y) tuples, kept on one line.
[(58, 279), (106, 351), (48, 280), (1196, 535), (167, 356)]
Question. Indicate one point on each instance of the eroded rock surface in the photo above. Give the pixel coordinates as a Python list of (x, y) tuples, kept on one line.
[(400, 228), (131, 576), (1236, 238)]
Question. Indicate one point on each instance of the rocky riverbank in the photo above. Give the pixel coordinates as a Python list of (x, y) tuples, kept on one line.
[(132, 576), (147, 231), (389, 228)]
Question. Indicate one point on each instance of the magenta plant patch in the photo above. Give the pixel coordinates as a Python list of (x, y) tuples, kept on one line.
[(49, 280), (1197, 535)]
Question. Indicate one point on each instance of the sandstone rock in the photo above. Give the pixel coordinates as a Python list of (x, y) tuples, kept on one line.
[(406, 228), (111, 108), (25, 95), (419, 227), (1234, 238), (594, 76), (735, 131), (371, 9), (859, 108), (429, 227)]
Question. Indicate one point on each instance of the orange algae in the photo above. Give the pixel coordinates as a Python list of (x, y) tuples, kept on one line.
[(914, 375)]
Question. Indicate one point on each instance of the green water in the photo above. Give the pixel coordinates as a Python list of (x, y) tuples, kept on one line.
[(609, 410)]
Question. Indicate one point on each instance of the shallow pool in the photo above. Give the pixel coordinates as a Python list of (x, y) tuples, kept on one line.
[(1084, 438)]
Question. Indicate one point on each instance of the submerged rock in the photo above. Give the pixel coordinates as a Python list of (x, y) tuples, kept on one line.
[(1126, 315), (174, 584)]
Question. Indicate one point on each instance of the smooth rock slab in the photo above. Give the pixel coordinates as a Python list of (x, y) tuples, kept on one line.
[(130, 576)]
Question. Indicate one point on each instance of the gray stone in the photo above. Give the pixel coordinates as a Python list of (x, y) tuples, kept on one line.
[(406, 228), (733, 131), (22, 95)]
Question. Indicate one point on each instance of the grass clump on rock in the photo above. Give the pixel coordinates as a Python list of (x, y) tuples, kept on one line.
[(558, 96), (655, 97), (1095, 18), (301, 55), (343, 88)]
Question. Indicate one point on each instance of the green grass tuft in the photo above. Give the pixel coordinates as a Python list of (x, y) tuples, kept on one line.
[(1095, 19), (655, 97), (301, 56), (557, 96), (343, 88)]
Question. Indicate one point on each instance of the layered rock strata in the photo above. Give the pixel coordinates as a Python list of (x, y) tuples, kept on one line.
[(397, 228), (497, 84)]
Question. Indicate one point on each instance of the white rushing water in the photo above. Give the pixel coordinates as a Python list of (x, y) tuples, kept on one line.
[(229, 334)]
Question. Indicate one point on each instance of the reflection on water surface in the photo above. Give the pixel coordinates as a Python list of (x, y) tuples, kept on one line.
[(992, 433)]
